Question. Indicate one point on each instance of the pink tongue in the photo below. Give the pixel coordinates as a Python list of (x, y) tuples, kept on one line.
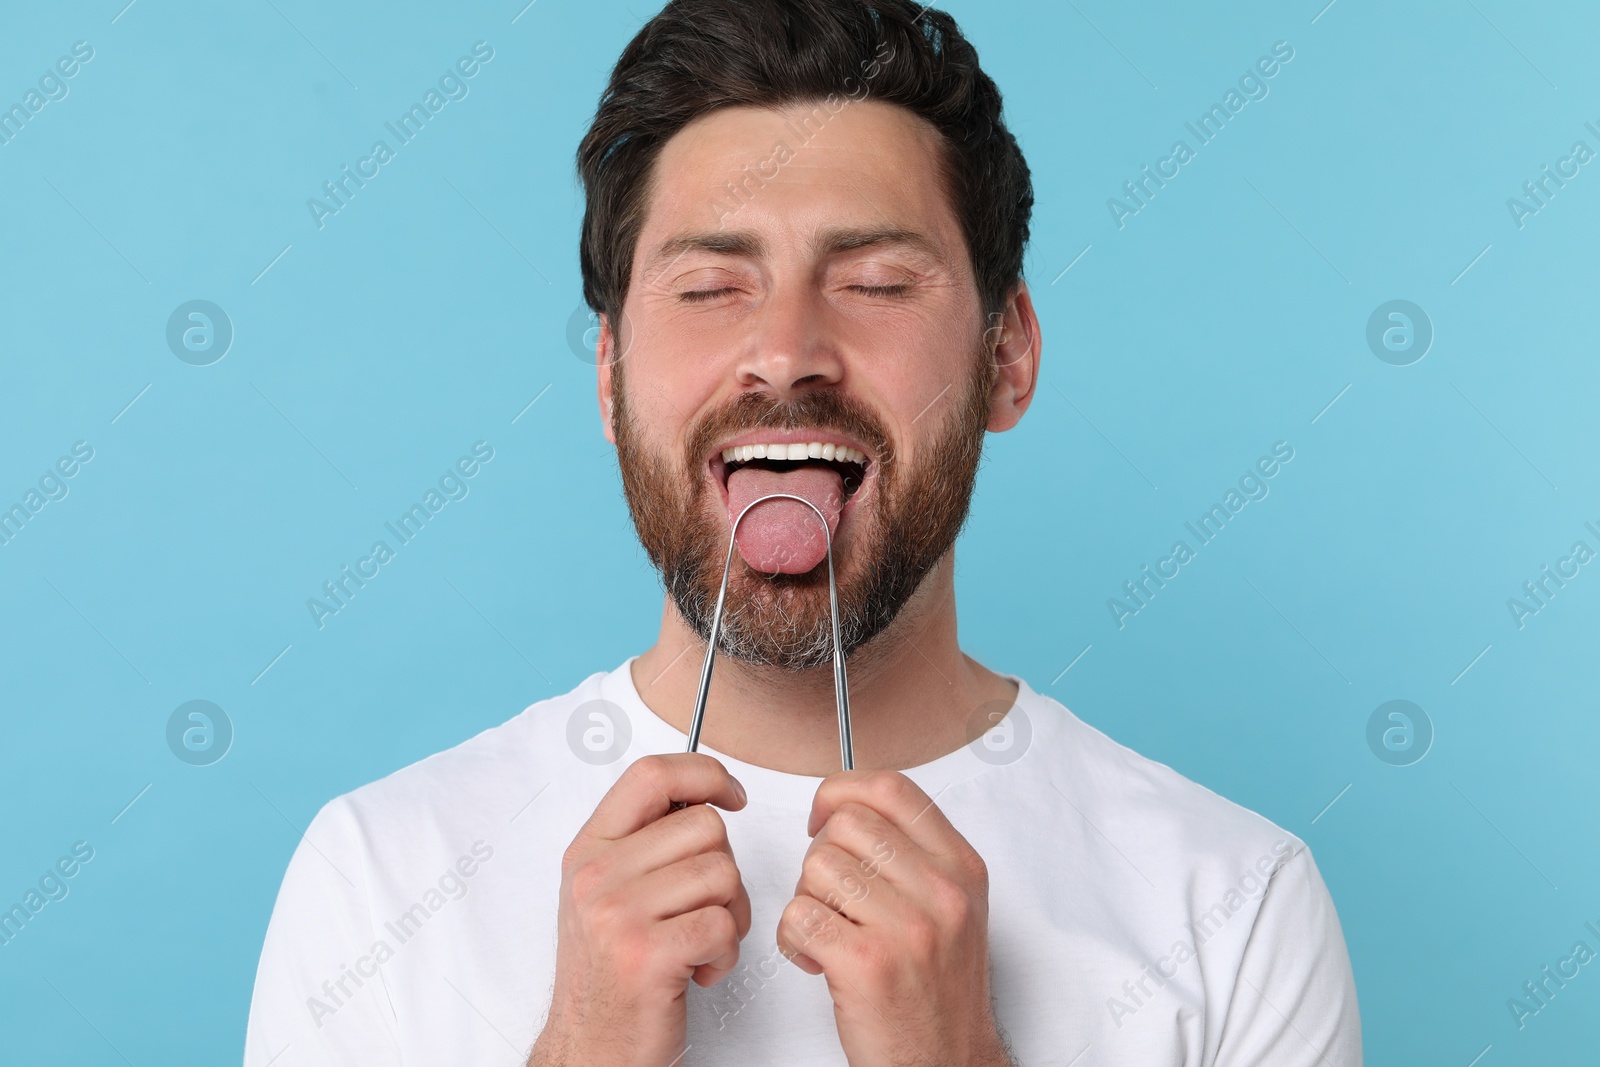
[(784, 536)]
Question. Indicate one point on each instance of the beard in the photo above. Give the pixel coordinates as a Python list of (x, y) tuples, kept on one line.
[(785, 620)]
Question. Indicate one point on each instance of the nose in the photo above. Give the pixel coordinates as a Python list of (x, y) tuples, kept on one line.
[(792, 348)]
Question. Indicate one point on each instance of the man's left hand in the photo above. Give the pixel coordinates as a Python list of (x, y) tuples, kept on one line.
[(892, 907)]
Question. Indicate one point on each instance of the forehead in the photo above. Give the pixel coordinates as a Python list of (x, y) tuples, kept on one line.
[(794, 171)]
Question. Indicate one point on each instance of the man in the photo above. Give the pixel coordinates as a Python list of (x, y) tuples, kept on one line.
[(804, 236)]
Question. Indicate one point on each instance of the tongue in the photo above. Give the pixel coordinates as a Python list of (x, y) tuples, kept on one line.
[(783, 536)]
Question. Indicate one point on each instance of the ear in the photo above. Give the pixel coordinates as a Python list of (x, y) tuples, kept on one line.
[(1016, 344), (605, 348)]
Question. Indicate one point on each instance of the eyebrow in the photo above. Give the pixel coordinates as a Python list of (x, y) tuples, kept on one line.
[(831, 242), (828, 242)]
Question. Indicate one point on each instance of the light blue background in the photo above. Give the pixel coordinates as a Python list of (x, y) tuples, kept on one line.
[(427, 314)]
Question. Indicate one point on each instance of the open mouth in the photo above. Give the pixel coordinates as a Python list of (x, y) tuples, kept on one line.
[(850, 463)]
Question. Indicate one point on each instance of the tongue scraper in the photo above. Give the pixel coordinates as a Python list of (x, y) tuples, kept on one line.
[(841, 688)]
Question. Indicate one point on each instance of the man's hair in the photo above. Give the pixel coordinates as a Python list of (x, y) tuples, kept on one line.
[(696, 56)]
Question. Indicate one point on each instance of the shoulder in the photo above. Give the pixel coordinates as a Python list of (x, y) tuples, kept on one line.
[(1148, 807), (1193, 876), (486, 778)]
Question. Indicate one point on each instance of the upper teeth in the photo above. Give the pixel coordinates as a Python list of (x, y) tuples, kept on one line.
[(809, 450)]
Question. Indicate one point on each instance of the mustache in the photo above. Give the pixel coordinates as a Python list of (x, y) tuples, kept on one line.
[(820, 409)]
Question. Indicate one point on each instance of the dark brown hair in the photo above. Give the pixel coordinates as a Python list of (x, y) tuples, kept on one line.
[(699, 55)]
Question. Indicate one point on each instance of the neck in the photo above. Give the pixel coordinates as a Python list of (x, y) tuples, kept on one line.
[(914, 695)]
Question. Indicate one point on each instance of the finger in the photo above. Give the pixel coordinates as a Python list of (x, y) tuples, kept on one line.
[(710, 878), (740, 909), (894, 796), (868, 836), (884, 855), (830, 874), (806, 963), (675, 836), (648, 787), (810, 931), (705, 943)]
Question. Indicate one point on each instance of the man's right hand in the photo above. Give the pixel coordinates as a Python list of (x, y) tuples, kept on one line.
[(650, 899)]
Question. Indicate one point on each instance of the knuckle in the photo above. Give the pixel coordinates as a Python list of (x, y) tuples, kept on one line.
[(705, 819), (792, 912), (818, 924), (886, 786), (875, 961), (722, 928), (712, 926), (653, 769), (849, 819), (606, 916), (720, 871), (796, 920), (951, 904), (586, 881), (977, 871), (817, 867), (706, 762)]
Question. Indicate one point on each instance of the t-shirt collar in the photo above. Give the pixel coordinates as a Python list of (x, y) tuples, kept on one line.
[(765, 785)]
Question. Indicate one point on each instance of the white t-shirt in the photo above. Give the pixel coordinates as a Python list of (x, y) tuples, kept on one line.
[(1135, 918)]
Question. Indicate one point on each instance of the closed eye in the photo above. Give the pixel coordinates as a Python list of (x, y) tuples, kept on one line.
[(694, 295)]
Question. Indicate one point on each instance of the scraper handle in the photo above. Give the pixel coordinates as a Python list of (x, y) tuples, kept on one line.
[(841, 685)]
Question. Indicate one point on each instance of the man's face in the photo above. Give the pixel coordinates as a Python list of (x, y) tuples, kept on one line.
[(800, 278)]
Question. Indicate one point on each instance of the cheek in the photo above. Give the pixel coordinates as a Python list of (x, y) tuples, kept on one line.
[(655, 368), (654, 420), (678, 369), (915, 375)]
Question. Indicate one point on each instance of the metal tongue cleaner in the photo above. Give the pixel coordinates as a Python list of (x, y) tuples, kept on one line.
[(841, 690)]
